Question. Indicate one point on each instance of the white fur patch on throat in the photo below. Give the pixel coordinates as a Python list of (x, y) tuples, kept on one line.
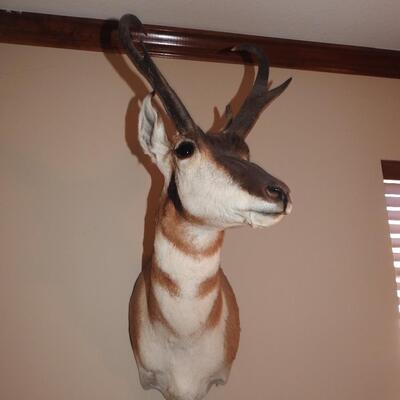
[(187, 271)]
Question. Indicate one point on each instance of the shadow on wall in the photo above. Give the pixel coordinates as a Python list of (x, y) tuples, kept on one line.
[(133, 79)]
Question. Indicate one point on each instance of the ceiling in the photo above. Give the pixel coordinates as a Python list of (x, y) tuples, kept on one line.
[(370, 23)]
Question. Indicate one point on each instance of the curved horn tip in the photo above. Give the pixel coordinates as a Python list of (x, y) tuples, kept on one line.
[(131, 22), (250, 47), (240, 47), (129, 18)]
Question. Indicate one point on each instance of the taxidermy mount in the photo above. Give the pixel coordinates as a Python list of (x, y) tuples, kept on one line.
[(183, 316)]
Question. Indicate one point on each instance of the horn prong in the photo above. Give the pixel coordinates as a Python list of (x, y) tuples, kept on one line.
[(260, 96)]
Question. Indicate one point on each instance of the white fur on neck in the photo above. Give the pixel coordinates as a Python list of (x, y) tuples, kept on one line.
[(187, 312), (186, 270)]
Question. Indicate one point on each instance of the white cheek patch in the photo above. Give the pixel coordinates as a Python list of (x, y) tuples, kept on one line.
[(209, 192), (205, 190)]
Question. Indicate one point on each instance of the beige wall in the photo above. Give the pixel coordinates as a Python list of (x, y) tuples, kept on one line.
[(316, 292)]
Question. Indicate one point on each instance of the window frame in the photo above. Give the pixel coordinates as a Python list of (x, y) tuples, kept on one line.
[(391, 171)]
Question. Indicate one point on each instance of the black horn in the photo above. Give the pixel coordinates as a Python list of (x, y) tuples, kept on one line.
[(259, 96), (143, 62)]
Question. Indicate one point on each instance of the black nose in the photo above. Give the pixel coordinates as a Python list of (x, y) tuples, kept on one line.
[(278, 194)]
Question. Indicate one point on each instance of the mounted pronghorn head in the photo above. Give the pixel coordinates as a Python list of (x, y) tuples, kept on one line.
[(208, 175)]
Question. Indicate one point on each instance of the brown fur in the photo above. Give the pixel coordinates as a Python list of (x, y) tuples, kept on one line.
[(232, 330), (172, 227), (154, 311), (135, 317), (209, 284), (232, 157), (216, 312), (158, 276)]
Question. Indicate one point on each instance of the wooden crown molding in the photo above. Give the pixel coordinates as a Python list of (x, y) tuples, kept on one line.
[(101, 35), (391, 169)]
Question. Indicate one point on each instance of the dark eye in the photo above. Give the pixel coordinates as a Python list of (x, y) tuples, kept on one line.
[(185, 149)]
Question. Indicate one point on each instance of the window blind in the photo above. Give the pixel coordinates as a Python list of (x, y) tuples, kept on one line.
[(391, 175)]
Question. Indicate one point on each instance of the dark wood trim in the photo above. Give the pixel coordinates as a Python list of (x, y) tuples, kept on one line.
[(391, 169), (101, 35)]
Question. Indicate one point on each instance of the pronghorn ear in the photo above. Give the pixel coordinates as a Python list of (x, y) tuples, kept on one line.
[(152, 136)]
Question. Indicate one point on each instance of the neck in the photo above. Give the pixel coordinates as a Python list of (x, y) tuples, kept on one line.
[(187, 251), (185, 274)]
